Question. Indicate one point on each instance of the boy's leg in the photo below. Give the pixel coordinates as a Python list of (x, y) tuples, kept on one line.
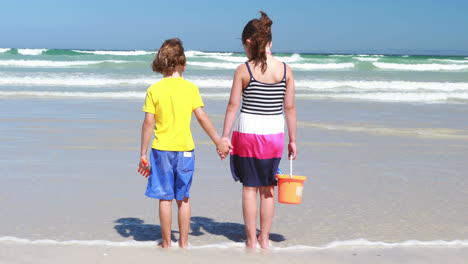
[(165, 219), (249, 209), (183, 181), (267, 210), (184, 221)]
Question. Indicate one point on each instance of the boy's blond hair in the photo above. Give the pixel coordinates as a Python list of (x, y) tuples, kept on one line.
[(170, 55)]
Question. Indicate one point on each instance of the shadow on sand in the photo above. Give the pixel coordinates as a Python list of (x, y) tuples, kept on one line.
[(136, 228)]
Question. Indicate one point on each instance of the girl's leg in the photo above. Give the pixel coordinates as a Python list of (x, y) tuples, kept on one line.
[(165, 219), (184, 221), (249, 209), (267, 210)]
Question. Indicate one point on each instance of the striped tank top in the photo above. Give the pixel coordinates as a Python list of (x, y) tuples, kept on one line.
[(263, 98)]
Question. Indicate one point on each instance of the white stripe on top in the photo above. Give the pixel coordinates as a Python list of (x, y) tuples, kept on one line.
[(259, 124)]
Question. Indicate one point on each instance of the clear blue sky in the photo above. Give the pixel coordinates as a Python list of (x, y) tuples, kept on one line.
[(417, 26)]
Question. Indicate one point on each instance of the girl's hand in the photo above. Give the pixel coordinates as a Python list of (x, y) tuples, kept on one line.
[(224, 147), (292, 150)]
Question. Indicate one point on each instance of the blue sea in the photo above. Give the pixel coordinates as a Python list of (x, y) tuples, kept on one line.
[(127, 75)]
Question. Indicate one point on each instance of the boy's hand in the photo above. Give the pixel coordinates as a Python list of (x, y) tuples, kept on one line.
[(143, 167), (224, 147)]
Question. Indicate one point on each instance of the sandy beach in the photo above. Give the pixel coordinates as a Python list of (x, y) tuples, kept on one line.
[(14, 253), (385, 191)]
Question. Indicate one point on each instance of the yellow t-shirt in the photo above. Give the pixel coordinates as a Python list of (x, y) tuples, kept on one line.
[(172, 101)]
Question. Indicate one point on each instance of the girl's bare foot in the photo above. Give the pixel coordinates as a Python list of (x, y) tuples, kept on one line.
[(164, 244), (264, 243), (183, 244), (251, 244)]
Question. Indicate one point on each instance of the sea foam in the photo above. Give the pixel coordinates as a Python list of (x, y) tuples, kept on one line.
[(78, 80), (379, 85), (420, 67), (96, 95), (356, 243), (449, 60), (195, 53), (116, 52), (31, 51), (214, 65), (3, 50), (392, 96), (53, 64), (319, 66), (366, 59), (92, 81), (85, 80)]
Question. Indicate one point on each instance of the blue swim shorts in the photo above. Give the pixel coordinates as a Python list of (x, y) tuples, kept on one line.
[(171, 174)]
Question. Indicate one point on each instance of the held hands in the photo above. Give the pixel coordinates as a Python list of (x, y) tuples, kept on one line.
[(224, 147), (143, 167)]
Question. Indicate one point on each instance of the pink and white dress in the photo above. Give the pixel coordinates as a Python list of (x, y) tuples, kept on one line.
[(258, 136)]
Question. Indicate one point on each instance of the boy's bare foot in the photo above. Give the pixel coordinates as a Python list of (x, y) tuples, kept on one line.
[(264, 243)]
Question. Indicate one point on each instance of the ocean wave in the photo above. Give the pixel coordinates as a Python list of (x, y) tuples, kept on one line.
[(288, 59), (53, 64), (366, 59), (356, 243), (56, 80), (229, 58), (411, 97), (116, 52), (380, 85), (195, 53), (376, 96), (96, 95), (84, 81), (31, 51), (420, 67), (241, 59), (123, 95), (449, 60), (318, 66), (214, 65), (3, 50), (370, 55)]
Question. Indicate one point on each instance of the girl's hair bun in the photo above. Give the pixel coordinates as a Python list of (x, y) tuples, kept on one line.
[(258, 31)]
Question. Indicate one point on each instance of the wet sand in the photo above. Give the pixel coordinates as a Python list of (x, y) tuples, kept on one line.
[(69, 173)]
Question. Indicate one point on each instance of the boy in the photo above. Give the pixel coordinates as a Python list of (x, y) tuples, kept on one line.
[(169, 105)]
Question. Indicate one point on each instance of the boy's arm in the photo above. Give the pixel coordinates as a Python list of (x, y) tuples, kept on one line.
[(210, 130), (146, 133)]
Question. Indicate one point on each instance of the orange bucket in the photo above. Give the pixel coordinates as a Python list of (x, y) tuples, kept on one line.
[(290, 189)]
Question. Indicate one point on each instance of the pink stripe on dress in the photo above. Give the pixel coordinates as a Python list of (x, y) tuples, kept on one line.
[(258, 146)]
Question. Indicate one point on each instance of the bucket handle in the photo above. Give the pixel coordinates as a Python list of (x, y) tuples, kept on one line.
[(290, 167)]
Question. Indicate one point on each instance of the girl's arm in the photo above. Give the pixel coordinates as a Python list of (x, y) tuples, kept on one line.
[(234, 101), (290, 111), (146, 133), (210, 130)]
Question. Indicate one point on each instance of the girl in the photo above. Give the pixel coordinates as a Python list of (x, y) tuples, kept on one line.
[(266, 85)]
